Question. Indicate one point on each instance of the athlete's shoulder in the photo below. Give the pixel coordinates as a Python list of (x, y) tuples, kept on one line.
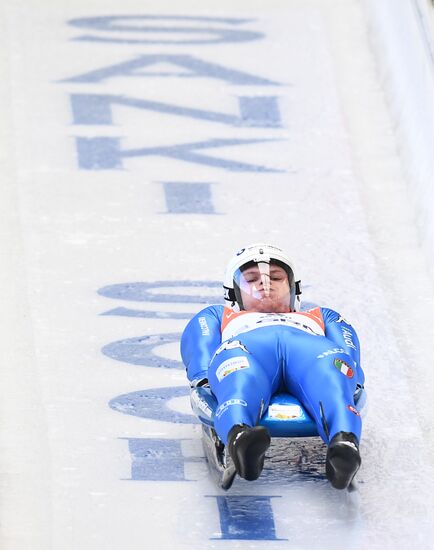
[(331, 315), (314, 313), (206, 322), (216, 311)]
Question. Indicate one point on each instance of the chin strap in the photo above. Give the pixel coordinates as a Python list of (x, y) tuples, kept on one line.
[(229, 294), (297, 288)]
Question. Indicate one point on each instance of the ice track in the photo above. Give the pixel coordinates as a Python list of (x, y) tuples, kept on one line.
[(141, 144)]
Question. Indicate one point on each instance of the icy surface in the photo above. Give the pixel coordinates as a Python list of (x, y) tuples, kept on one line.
[(93, 453)]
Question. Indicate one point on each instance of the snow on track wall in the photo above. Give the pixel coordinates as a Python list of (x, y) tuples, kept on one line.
[(403, 37)]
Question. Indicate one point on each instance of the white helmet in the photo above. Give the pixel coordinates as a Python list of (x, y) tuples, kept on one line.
[(259, 257)]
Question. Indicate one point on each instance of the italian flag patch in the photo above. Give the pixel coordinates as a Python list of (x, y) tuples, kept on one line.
[(344, 368)]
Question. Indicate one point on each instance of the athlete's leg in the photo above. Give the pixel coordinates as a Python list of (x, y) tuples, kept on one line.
[(322, 376), (241, 384)]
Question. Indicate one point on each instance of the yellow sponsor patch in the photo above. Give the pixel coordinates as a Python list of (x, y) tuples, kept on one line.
[(284, 412)]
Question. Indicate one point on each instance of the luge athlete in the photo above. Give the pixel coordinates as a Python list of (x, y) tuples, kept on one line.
[(261, 343)]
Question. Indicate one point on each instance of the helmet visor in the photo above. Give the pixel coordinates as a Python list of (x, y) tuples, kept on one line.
[(264, 286)]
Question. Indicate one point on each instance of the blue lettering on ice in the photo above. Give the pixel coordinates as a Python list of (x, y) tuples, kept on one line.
[(115, 25), (142, 292), (139, 350), (193, 67), (105, 153), (153, 404), (98, 153), (158, 459), (96, 109), (188, 198), (246, 518)]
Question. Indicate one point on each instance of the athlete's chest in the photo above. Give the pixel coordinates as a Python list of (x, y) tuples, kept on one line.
[(234, 323)]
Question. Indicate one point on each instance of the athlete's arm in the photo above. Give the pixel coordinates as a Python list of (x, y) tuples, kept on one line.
[(340, 331), (200, 339)]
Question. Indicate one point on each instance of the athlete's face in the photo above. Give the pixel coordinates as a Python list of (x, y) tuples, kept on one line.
[(265, 289)]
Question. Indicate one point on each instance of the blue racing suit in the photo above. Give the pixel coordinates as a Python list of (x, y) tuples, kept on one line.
[(249, 356)]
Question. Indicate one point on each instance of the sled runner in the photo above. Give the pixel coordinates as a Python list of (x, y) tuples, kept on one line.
[(285, 417)]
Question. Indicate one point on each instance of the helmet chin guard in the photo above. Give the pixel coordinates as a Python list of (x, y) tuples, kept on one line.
[(251, 270)]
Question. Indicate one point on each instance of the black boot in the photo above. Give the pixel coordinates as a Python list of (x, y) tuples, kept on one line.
[(343, 459), (247, 447)]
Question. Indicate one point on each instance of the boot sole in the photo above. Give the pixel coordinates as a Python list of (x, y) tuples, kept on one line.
[(251, 459), (342, 465)]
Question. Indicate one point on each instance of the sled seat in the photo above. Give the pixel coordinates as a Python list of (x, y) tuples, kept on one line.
[(285, 416)]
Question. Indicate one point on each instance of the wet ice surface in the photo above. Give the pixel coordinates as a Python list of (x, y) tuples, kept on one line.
[(295, 460), (96, 449), (309, 513)]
